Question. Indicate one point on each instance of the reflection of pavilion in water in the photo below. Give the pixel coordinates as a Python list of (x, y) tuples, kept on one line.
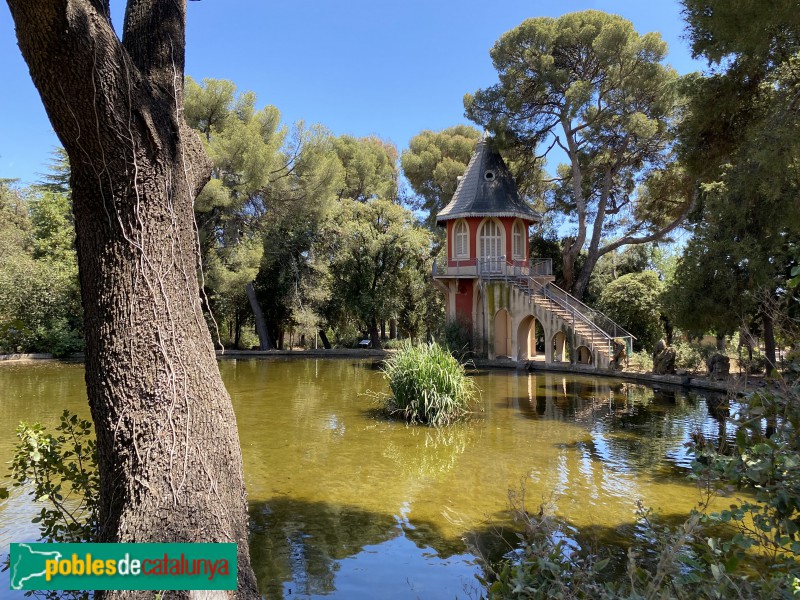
[(596, 444), (629, 425)]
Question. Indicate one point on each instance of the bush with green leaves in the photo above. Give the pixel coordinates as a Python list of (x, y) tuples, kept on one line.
[(457, 336), (633, 301), (680, 562), (428, 385), (60, 469), (688, 356)]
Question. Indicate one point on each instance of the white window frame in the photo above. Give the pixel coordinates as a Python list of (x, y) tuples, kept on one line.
[(461, 240), (518, 241), (491, 242)]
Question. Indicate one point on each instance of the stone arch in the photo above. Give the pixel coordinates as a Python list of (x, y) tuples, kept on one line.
[(584, 355), (530, 338), (559, 347), (502, 333)]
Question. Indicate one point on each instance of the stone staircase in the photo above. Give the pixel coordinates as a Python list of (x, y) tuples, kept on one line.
[(590, 327)]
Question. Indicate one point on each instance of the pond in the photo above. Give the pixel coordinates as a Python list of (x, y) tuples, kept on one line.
[(344, 502)]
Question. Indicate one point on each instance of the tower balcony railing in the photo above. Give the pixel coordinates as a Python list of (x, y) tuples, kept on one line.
[(493, 267)]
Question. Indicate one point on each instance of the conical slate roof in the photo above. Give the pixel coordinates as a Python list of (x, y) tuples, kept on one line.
[(487, 189)]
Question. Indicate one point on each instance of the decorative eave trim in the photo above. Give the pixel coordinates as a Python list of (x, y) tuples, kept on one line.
[(536, 217)]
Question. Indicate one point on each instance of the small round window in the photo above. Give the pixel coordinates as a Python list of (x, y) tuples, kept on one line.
[(489, 176)]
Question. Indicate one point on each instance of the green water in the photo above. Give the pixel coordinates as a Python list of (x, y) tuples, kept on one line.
[(345, 504)]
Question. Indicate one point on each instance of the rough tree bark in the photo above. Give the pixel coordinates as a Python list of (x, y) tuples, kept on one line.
[(169, 456)]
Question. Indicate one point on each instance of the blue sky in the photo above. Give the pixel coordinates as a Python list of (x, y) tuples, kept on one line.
[(357, 67)]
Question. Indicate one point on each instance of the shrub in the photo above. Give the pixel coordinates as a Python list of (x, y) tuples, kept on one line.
[(392, 344), (640, 361), (665, 561), (688, 357), (633, 301), (61, 469), (457, 337), (428, 385)]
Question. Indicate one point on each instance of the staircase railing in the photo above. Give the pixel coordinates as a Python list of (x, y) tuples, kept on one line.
[(523, 275), (527, 276), (608, 329), (604, 322)]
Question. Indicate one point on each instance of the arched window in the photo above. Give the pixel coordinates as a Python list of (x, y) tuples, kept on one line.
[(461, 240), (491, 246), (518, 241)]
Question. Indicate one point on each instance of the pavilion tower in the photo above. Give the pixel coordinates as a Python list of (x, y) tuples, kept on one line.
[(495, 288)]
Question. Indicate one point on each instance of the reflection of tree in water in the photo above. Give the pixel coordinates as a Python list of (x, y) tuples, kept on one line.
[(301, 543), (296, 546), (435, 452), (648, 429)]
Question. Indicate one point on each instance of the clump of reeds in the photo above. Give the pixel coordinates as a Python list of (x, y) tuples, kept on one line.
[(428, 385)]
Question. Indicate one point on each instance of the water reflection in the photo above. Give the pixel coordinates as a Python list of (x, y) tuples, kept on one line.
[(313, 549), (344, 501)]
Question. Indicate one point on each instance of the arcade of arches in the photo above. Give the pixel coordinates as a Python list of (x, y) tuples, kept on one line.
[(532, 341)]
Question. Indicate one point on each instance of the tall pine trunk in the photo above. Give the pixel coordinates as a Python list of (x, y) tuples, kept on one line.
[(264, 338), (169, 456)]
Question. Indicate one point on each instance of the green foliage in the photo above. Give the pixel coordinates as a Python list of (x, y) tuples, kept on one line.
[(688, 356), (293, 282), (592, 82), (40, 307), (370, 168), (433, 163), (53, 227), (373, 249), (633, 301), (615, 264), (428, 385), (282, 212), (741, 140), (60, 469), (459, 339)]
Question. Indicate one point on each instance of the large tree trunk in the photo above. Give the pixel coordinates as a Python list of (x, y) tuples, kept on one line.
[(264, 338), (324, 338), (169, 456), (582, 282), (374, 335)]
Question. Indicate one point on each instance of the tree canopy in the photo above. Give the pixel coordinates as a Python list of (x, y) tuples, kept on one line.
[(740, 141), (589, 84), (433, 163)]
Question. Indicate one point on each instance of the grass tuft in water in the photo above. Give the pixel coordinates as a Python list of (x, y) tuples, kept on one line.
[(428, 385)]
